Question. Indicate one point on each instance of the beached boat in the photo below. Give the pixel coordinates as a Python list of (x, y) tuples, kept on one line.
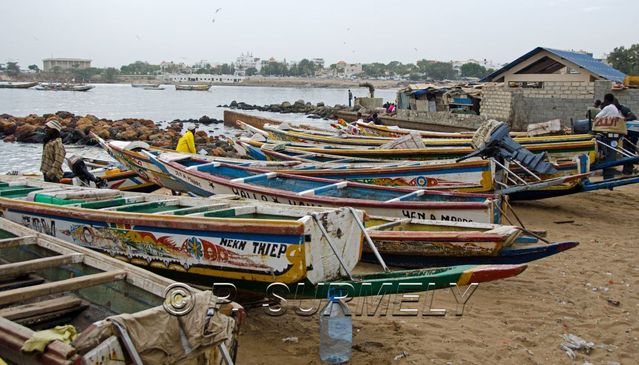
[(113, 306), (556, 151), (17, 85), (414, 243), (205, 178), (63, 87), (176, 236), (200, 241), (292, 134), (192, 87), (145, 85), (154, 88)]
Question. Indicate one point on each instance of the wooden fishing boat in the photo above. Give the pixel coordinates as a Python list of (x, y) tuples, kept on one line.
[(154, 88), (414, 243), (17, 85), (192, 87), (172, 235), (292, 134), (376, 130), (471, 176), (205, 178), (201, 241), (144, 86), (112, 305), (556, 151), (63, 87)]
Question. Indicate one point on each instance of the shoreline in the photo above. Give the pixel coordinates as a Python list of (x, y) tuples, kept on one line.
[(333, 83)]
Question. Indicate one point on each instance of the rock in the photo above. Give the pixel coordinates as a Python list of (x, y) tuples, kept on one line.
[(299, 102), (217, 152), (285, 104), (25, 132), (9, 139), (64, 115), (320, 104), (128, 135), (233, 104)]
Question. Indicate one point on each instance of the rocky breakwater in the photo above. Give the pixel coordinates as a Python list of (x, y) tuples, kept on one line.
[(317, 111), (76, 130)]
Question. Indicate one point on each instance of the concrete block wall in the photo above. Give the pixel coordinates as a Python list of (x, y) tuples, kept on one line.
[(627, 97), (496, 103), (472, 121), (563, 100)]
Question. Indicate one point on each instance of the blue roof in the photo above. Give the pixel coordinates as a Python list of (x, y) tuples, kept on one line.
[(585, 61)]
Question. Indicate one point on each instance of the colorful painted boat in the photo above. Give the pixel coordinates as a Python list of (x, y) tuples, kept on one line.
[(202, 241), (205, 178), (556, 151), (376, 130), (63, 87), (413, 243), (46, 282), (292, 134)]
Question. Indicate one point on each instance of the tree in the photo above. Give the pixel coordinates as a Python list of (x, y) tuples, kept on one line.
[(436, 70), (110, 74), (34, 68), (306, 68), (13, 69), (473, 70), (625, 60), (374, 69), (139, 68), (251, 71)]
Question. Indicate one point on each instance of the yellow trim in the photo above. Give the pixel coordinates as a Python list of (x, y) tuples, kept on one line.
[(464, 278)]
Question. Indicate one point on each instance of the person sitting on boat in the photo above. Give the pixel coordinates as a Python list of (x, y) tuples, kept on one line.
[(187, 141), (375, 119), (609, 124), (80, 170), (52, 152)]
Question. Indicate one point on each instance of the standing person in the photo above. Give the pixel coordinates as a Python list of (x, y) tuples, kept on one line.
[(187, 141), (350, 98), (52, 152)]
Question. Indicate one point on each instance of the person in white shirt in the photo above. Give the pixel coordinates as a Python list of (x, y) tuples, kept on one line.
[(608, 108)]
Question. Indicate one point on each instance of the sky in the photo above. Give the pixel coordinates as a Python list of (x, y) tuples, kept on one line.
[(118, 32)]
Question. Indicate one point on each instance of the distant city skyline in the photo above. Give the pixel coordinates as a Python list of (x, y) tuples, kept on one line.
[(115, 33)]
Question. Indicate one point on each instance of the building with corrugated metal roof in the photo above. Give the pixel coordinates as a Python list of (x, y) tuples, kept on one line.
[(546, 84)]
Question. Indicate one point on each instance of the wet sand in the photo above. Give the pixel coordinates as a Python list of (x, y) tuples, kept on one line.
[(514, 321)]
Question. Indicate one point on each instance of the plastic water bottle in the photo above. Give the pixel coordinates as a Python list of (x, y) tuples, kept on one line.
[(336, 331)]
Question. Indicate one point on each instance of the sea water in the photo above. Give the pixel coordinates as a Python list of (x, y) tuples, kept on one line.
[(117, 101)]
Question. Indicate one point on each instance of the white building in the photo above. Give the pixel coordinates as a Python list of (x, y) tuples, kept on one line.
[(348, 70), (65, 64), (203, 78), (246, 61)]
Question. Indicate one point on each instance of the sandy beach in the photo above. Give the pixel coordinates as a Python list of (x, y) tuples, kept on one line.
[(589, 291)]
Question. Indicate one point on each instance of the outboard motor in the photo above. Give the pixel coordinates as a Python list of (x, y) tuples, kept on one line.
[(492, 139)]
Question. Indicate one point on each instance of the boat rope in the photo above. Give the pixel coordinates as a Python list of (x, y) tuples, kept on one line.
[(521, 226), (370, 242), (330, 243)]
